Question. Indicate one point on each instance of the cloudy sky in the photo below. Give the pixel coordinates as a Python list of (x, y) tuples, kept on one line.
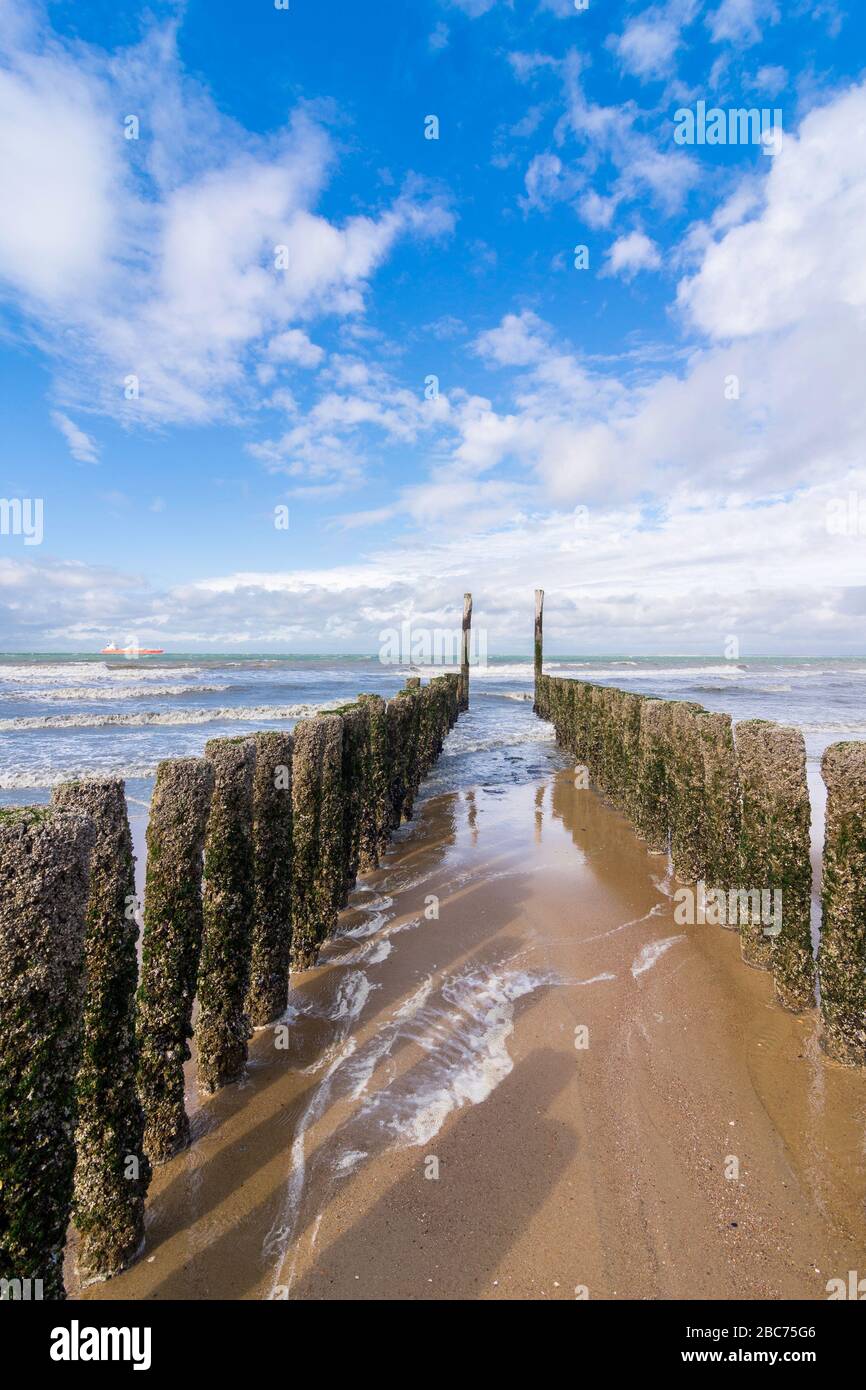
[(240, 286)]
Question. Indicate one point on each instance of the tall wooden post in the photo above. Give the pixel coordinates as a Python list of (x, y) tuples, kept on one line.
[(464, 652), (539, 624)]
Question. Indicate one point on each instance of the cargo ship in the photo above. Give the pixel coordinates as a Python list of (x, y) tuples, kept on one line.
[(112, 650)]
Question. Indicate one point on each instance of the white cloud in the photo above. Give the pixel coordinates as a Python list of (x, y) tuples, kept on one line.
[(801, 260), (630, 254), (81, 446), (548, 182), (61, 173), (294, 346), (474, 8), (699, 572), (739, 21), (438, 38), (628, 162), (771, 80), (527, 65), (647, 47), (520, 340), (176, 258)]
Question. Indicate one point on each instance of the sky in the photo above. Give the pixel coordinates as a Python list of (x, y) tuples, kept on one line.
[(312, 318)]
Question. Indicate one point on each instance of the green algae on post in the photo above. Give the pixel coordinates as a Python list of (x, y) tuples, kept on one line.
[(721, 801), (411, 749), (111, 1171), (464, 651), (318, 863), (774, 857), (756, 809), (44, 863), (223, 1027), (376, 810), (453, 698), (686, 793), (400, 715), (791, 868), (652, 812), (272, 874), (539, 646), (355, 772), (628, 712), (171, 944), (842, 953)]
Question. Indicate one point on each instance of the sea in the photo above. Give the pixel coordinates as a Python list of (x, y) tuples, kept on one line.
[(65, 716)]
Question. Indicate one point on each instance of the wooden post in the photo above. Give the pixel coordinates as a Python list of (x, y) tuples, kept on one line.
[(842, 953), (112, 1172), (318, 872), (44, 890), (228, 904), (464, 652), (272, 874), (539, 642), (170, 948)]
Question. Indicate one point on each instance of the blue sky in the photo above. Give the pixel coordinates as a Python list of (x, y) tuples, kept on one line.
[(282, 260)]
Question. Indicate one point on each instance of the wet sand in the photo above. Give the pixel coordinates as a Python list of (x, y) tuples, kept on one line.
[(421, 1046)]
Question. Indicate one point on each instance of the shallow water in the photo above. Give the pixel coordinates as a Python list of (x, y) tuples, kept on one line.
[(425, 1125)]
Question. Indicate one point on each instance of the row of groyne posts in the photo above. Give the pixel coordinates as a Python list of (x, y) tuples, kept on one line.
[(252, 851), (730, 804)]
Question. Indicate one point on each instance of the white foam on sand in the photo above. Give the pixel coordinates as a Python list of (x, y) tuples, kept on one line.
[(464, 1034), (647, 958)]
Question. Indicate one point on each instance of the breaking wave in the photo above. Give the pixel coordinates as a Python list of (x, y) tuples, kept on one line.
[(229, 714)]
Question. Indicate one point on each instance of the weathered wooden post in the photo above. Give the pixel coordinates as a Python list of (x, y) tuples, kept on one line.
[(111, 1170), (721, 801), (44, 862), (272, 872), (411, 750), (223, 1027), (539, 647), (318, 872), (400, 715), (686, 793), (774, 846), (464, 652), (453, 682), (171, 944), (376, 810), (652, 813), (356, 741), (842, 952)]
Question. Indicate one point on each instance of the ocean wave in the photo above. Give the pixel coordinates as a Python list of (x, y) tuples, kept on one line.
[(40, 776), (86, 672), (649, 672), (232, 714), (110, 692), (834, 726), (462, 741)]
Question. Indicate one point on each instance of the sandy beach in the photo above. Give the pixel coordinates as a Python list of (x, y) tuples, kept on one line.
[(550, 1091)]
